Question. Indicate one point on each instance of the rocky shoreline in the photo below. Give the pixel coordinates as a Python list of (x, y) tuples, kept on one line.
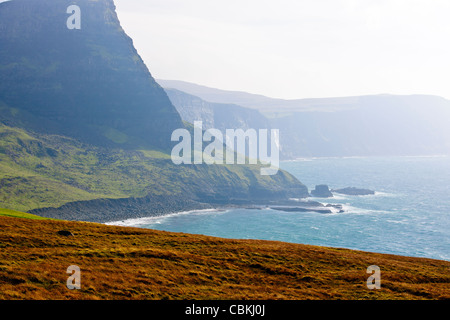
[(111, 210), (107, 210)]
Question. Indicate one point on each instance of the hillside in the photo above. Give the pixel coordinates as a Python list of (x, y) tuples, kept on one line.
[(18, 214), (130, 263), (383, 125), (99, 184), (266, 105)]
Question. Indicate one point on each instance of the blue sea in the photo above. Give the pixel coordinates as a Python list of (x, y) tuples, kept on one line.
[(409, 214)]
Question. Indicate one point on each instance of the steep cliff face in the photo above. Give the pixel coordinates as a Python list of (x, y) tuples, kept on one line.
[(375, 125), (216, 115), (89, 82)]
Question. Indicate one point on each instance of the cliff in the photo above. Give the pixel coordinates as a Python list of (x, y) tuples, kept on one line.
[(88, 83), (373, 125)]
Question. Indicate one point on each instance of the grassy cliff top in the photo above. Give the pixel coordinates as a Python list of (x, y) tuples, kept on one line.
[(18, 214), (131, 263)]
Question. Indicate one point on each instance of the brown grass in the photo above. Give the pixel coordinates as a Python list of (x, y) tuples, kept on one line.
[(130, 263)]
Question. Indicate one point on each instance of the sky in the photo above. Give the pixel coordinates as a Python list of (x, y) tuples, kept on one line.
[(296, 48)]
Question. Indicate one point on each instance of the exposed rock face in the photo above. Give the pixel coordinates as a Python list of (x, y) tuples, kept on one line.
[(321, 191), (216, 115), (351, 191), (192, 108)]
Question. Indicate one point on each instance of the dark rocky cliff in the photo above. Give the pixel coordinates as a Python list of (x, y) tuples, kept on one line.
[(216, 115), (88, 83)]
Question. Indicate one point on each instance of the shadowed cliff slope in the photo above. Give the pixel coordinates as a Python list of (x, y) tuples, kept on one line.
[(88, 83)]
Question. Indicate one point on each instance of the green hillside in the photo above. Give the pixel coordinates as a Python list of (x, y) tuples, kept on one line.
[(39, 171), (18, 214)]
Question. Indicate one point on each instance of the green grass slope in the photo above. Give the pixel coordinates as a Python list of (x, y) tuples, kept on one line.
[(18, 214), (41, 171)]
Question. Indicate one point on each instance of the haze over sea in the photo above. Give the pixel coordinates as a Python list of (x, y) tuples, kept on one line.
[(409, 214)]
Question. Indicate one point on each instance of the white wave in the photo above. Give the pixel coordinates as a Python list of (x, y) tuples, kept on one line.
[(160, 219), (403, 221), (335, 210), (385, 194), (306, 200), (349, 209), (340, 197), (336, 197)]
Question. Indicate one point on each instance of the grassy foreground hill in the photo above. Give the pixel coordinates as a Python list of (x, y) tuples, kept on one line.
[(130, 263)]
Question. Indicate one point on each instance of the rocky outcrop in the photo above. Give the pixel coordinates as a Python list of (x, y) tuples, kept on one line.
[(321, 191), (308, 206)]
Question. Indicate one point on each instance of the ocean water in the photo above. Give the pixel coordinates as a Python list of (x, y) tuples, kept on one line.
[(409, 214)]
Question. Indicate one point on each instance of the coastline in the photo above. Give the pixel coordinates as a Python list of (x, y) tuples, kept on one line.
[(311, 206), (113, 210), (135, 222)]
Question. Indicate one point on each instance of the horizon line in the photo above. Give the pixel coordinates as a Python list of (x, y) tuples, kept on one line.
[(296, 99)]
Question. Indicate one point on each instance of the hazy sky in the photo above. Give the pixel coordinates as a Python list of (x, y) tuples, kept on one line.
[(296, 48)]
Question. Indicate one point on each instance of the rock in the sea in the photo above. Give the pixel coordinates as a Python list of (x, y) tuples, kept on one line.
[(351, 191), (336, 206), (321, 191)]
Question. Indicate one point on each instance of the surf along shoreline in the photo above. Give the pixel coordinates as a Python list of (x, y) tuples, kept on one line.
[(114, 210)]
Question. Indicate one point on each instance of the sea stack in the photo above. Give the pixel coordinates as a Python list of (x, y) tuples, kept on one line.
[(321, 191)]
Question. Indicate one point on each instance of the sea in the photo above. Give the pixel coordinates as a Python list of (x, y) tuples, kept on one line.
[(409, 214)]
